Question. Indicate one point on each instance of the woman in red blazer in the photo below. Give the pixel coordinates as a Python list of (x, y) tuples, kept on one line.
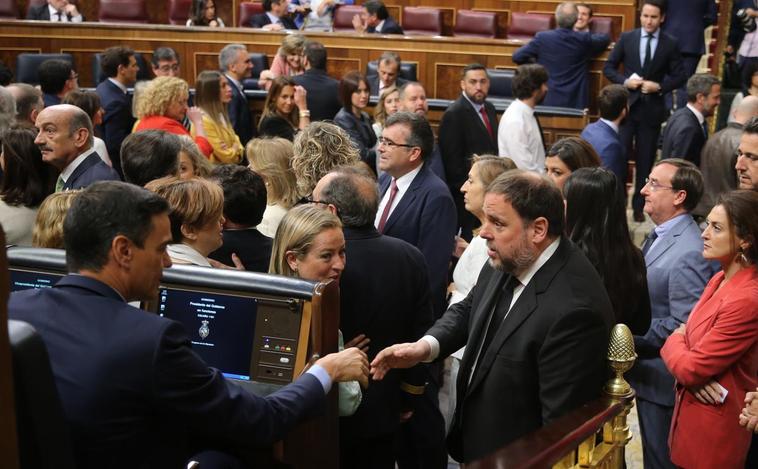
[(714, 358)]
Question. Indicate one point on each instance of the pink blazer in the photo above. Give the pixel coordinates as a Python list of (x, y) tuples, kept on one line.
[(721, 343)]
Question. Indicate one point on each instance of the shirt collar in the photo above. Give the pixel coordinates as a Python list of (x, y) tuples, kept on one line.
[(478, 107), (611, 124), (656, 34), (185, 253), (68, 170), (527, 275), (54, 11), (666, 226), (233, 80), (698, 114), (379, 26), (121, 86), (274, 19), (404, 181), (525, 108)]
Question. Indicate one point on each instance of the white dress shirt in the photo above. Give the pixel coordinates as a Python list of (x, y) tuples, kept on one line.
[(403, 183), (64, 17), (518, 137), (69, 170)]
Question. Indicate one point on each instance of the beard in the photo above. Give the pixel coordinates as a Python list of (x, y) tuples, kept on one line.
[(520, 259)]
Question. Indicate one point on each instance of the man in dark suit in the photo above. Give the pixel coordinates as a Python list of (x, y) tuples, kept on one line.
[(652, 67), (244, 204), (686, 22), (687, 129), (56, 11), (535, 326), (603, 134), (234, 62), (56, 78), (274, 16), (65, 139), (388, 69), (384, 294), (468, 127), (676, 276), (565, 54), (322, 90), (416, 207), (120, 66), (374, 18), (133, 392)]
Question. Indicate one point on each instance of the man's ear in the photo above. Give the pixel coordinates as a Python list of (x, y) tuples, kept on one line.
[(81, 136), (539, 230), (122, 250), (415, 154)]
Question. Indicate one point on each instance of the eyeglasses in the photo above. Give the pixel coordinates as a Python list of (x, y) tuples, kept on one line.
[(169, 68), (655, 185), (309, 200), (749, 156), (389, 143)]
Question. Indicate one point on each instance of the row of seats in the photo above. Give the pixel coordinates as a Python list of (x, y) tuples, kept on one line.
[(415, 20)]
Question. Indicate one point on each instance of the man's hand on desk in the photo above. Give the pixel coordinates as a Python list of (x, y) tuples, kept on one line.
[(350, 364), (399, 356)]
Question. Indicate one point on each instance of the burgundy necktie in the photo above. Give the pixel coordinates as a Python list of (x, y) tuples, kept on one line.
[(486, 119), (386, 212)]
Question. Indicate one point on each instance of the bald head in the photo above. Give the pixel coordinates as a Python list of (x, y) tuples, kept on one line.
[(747, 109), (355, 196), (29, 102), (566, 15), (64, 132)]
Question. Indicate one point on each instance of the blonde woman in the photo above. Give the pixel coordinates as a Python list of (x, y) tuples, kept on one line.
[(213, 94), (270, 157), (388, 104), (309, 244), (48, 227), (162, 106)]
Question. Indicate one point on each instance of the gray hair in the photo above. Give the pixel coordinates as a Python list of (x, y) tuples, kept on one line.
[(228, 55), (356, 197), (700, 83), (389, 56), (7, 109), (566, 15)]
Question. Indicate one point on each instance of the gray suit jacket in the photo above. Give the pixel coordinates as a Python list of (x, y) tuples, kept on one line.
[(676, 276)]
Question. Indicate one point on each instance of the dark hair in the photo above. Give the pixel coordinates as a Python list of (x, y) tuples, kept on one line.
[(53, 75), (661, 4), (575, 153), (375, 7), (420, 132), (471, 67), (163, 54), (531, 196), (687, 178), (148, 155), (587, 6), (27, 180), (315, 52), (269, 106), (197, 12), (741, 208), (612, 100), (267, 4), (355, 196), (103, 211), (112, 57), (349, 84), (596, 223), (751, 126), (87, 101), (700, 83), (6, 75), (527, 79), (29, 100), (244, 193)]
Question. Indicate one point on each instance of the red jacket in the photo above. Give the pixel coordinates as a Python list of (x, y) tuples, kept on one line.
[(174, 127), (721, 343)]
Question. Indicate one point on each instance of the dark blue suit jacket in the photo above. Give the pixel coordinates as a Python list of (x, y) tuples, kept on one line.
[(132, 389), (91, 170), (683, 137), (260, 20), (42, 13), (117, 121), (239, 114), (686, 20), (665, 69), (390, 26), (361, 133), (426, 218), (607, 144), (323, 94), (565, 54)]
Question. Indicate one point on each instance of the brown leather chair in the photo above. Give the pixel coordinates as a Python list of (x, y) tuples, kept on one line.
[(422, 21), (602, 25), (469, 23), (246, 11), (123, 11), (179, 11), (525, 26), (343, 17), (8, 10)]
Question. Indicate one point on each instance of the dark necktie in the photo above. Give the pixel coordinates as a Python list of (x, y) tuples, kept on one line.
[(705, 128), (649, 242), (58, 16), (499, 312), (485, 119), (388, 207), (648, 56)]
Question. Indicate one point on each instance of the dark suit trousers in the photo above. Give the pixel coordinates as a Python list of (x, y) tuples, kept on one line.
[(655, 422), (369, 453), (640, 138), (420, 443)]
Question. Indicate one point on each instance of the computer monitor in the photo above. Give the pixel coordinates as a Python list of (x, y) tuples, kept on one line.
[(27, 279), (35, 267)]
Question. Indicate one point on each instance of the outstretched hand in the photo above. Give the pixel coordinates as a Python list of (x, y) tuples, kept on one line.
[(399, 356)]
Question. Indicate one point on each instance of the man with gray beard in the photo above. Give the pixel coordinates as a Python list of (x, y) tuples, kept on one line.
[(535, 326)]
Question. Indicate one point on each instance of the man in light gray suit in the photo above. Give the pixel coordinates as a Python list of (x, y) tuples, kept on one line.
[(676, 276)]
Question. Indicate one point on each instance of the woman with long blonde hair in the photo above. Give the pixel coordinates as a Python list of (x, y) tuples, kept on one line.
[(270, 157)]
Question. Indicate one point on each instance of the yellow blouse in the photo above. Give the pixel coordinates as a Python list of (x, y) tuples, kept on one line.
[(226, 144)]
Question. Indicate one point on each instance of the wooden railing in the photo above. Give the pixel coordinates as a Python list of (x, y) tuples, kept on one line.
[(594, 435)]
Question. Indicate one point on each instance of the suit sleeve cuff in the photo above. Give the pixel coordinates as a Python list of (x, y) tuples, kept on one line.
[(435, 346), (322, 376)]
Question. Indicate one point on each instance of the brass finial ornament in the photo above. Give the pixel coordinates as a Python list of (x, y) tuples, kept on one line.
[(621, 357)]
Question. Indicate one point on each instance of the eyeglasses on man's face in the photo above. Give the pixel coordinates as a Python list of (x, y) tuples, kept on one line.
[(655, 185), (389, 143)]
